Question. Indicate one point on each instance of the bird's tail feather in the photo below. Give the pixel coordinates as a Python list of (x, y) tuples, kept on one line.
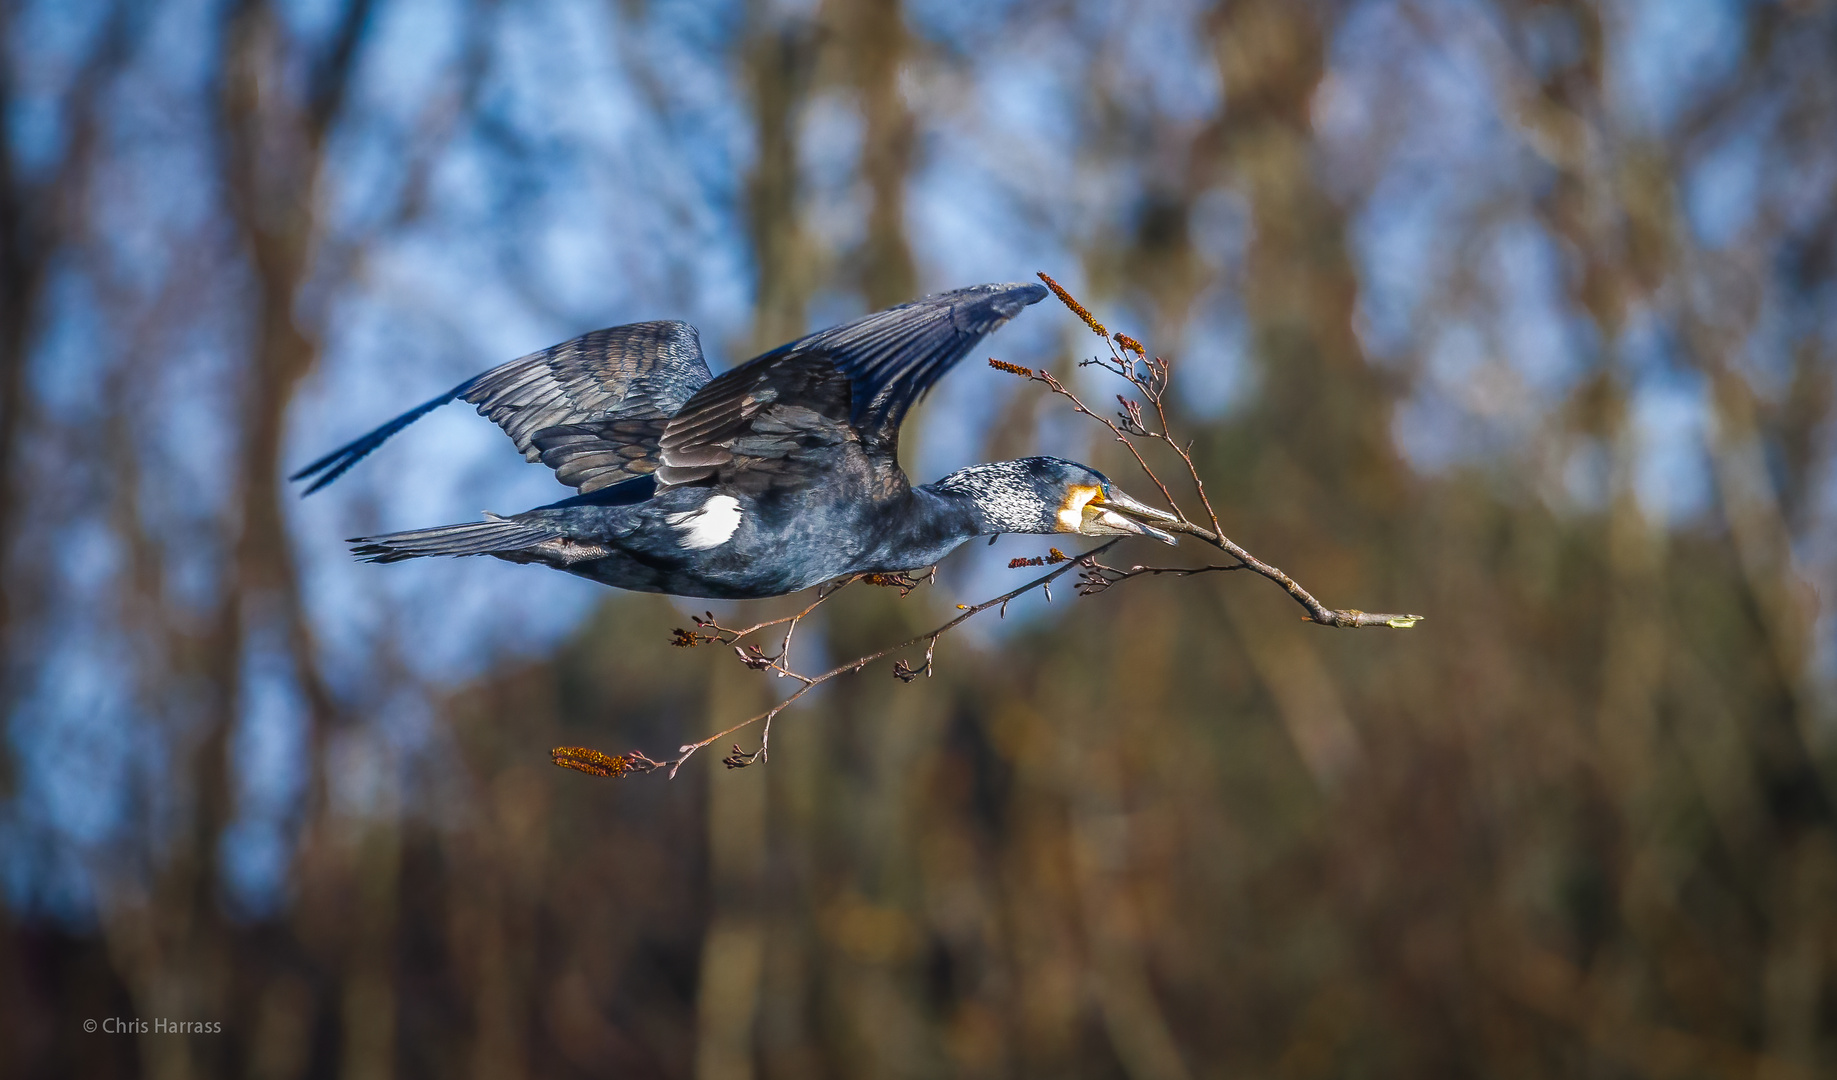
[(488, 537)]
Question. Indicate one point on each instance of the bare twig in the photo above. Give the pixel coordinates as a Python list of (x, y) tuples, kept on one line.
[(1097, 577), (1150, 378), (752, 656), (597, 763)]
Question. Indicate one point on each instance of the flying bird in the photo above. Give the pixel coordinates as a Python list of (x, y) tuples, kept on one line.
[(781, 474)]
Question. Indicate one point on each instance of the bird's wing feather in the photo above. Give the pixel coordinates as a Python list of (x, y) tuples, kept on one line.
[(884, 363), (591, 408), (758, 419)]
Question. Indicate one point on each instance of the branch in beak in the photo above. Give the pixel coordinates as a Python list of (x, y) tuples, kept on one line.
[(1102, 518), (1117, 500), (1102, 521)]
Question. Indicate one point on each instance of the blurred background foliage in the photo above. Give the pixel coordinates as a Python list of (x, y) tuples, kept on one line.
[(1518, 314)]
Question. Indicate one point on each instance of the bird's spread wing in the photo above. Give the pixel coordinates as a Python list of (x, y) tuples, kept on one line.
[(592, 408), (761, 418), (854, 381)]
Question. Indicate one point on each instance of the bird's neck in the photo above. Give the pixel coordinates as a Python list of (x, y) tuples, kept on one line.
[(925, 526), (994, 496)]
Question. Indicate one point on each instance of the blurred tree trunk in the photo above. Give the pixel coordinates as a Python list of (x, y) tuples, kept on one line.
[(1318, 473), (1327, 409), (176, 945), (733, 951), (778, 54), (870, 40), (22, 262), (39, 217)]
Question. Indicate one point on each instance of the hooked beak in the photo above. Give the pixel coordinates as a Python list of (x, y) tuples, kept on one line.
[(1104, 516)]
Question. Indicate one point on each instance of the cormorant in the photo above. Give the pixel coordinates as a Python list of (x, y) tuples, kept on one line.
[(778, 475)]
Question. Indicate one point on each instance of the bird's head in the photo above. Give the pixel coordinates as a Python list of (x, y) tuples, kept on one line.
[(1052, 495)]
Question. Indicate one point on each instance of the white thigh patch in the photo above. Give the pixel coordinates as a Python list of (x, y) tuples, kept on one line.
[(710, 526)]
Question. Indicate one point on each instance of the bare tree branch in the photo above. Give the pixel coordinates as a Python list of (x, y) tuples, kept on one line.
[(599, 764), (1150, 378)]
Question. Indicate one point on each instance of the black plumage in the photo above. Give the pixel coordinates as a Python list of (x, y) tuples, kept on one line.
[(778, 475)]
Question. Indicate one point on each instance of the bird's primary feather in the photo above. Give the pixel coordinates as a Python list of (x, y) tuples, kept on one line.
[(850, 382), (591, 408)]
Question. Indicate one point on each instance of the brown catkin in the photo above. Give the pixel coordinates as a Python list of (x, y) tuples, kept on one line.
[(590, 761), (1077, 308)]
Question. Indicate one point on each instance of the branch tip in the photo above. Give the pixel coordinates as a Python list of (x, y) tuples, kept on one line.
[(1354, 619)]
